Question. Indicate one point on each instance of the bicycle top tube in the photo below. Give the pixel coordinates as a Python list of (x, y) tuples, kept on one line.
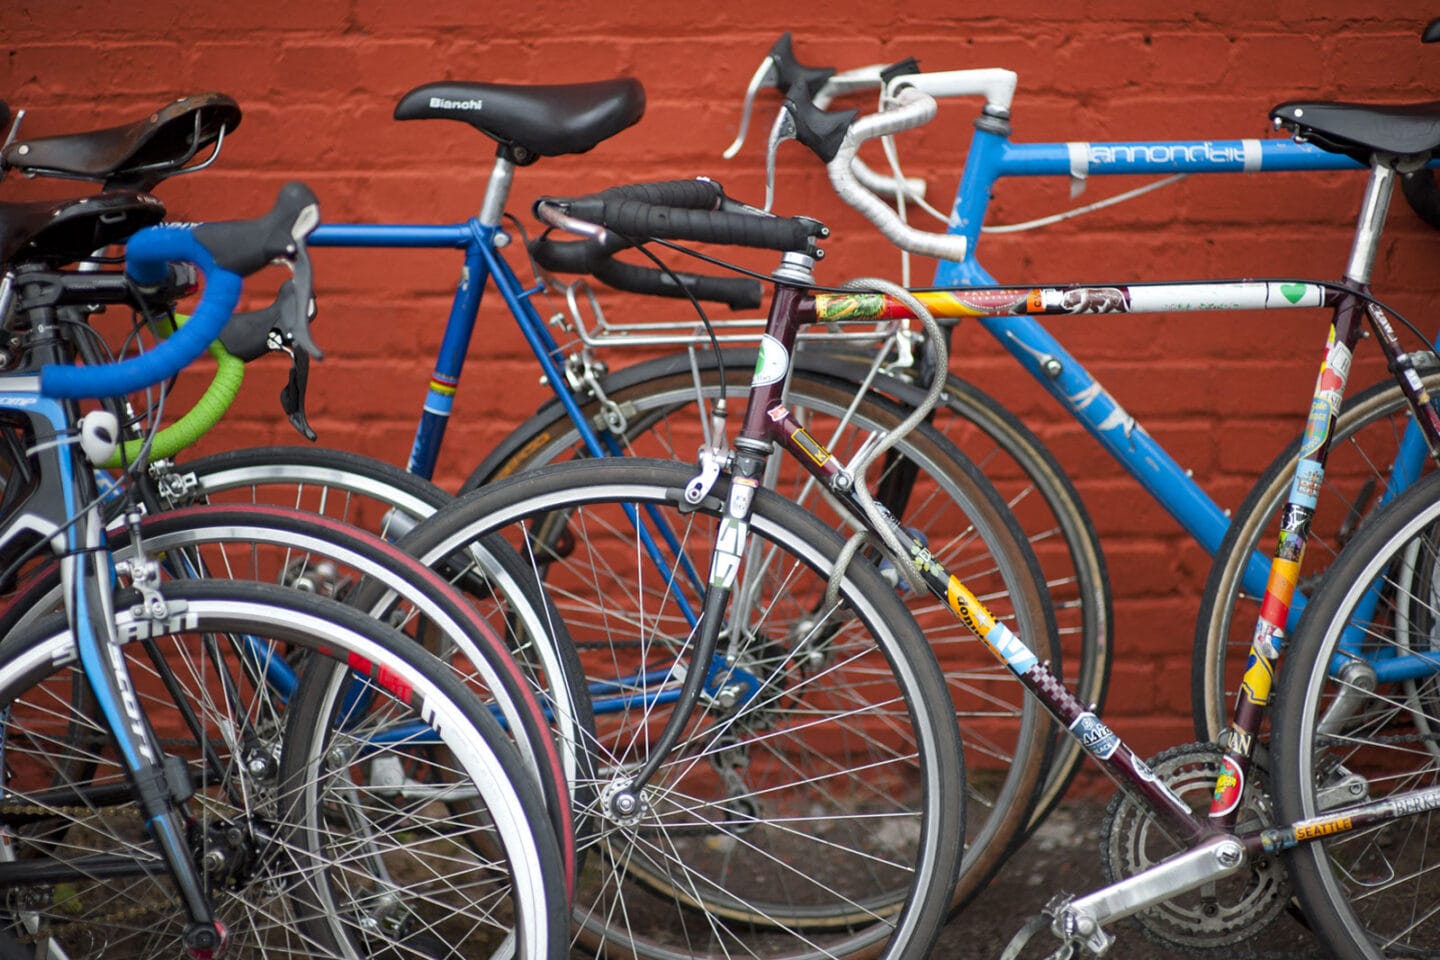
[(484, 265)]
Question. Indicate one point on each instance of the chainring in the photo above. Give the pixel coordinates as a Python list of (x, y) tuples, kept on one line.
[(1217, 915)]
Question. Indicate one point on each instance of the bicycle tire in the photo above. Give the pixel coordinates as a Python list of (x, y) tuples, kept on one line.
[(1364, 891), (735, 804), (1364, 440), (1012, 459), (970, 530), (250, 853), (384, 581)]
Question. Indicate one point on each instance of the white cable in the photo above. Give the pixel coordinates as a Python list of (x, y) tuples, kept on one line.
[(1088, 208), (858, 468)]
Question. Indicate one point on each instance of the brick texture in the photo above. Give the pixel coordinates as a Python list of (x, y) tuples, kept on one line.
[(317, 81)]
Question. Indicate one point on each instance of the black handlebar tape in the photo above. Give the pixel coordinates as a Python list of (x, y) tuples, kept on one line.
[(789, 71), (634, 219), (687, 194), (575, 256), (1431, 33), (594, 258), (737, 293), (819, 130), (244, 246)]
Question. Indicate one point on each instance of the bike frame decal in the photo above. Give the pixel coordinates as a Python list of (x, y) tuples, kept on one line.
[(772, 364), (1229, 787), (850, 306), (1002, 641), (1097, 738)]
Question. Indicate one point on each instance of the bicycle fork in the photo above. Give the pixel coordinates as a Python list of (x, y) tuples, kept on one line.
[(161, 784)]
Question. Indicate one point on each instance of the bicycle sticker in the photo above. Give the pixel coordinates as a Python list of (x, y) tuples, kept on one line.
[(1279, 590), (1306, 489), (729, 546), (772, 363), (1338, 360), (1317, 428), (1237, 741), (994, 634), (1228, 788), (811, 447), (842, 306), (742, 494), (1095, 736), (1323, 828), (1260, 671)]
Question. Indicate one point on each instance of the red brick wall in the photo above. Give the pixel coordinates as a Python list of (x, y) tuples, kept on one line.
[(318, 79)]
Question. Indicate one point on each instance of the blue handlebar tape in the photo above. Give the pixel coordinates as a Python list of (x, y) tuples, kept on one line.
[(146, 255)]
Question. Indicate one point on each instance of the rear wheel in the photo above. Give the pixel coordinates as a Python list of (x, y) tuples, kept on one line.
[(1365, 446)]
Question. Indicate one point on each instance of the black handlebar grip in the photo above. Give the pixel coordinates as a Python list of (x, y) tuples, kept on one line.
[(634, 219), (4, 114), (1431, 33), (575, 256), (819, 130), (688, 194), (244, 246), (789, 71), (737, 293), (595, 258)]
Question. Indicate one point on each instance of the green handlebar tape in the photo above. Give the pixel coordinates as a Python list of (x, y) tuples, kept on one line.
[(229, 372)]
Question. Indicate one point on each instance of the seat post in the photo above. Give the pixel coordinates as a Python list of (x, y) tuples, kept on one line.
[(1378, 188), (497, 191)]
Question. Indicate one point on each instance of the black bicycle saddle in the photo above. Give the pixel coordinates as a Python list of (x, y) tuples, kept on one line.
[(136, 155), (532, 121), (59, 232), (1361, 130)]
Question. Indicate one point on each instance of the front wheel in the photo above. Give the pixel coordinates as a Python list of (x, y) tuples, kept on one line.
[(83, 878), (937, 492), (814, 804), (1357, 719)]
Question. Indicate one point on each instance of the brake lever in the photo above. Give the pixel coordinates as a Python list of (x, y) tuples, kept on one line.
[(281, 326), (781, 130), (297, 315), (292, 396), (768, 73)]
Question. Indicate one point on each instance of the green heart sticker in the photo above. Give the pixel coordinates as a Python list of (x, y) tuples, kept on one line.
[(1292, 291)]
